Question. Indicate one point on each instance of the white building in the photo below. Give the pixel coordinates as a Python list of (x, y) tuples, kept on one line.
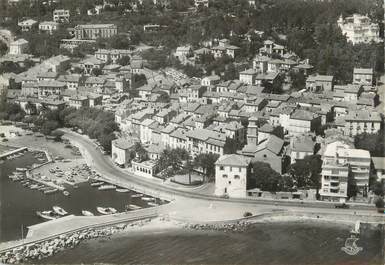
[(362, 121), (27, 25), (338, 160), (359, 29), (231, 175), (19, 46), (121, 151), (363, 76), (145, 168), (61, 15), (48, 26)]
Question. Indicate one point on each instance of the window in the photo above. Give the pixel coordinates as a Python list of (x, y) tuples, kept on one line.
[(221, 168), (224, 176), (240, 169), (229, 182), (237, 177), (264, 155), (231, 169), (325, 190), (326, 177)]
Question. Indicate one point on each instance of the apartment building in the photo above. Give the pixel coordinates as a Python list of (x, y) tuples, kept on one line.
[(231, 172), (359, 29), (341, 161), (61, 15), (362, 121), (95, 31)]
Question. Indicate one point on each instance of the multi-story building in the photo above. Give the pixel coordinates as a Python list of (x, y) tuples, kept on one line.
[(204, 3), (61, 15), (359, 29), (112, 55), (27, 25), (17, 47), (341, 162), (95, 31), (317, 83), (363, 76), (49, 88), (48, 26), (205, 141), (362, 121), (231, 173), (303, 121)]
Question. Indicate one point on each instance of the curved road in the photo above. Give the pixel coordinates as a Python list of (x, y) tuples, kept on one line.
[(105, 166)]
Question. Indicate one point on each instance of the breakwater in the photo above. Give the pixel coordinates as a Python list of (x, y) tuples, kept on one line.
[(44, 249)]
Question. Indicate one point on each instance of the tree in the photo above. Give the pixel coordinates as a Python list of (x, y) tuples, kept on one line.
[(374, 143), (306, 172), (140, 151), (207, 163), (264, 177), (231, 146), (380, 204), (352, 185), (125, 60), (378, 188)]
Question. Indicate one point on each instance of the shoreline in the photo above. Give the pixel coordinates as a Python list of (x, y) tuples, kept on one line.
[(159, 225)]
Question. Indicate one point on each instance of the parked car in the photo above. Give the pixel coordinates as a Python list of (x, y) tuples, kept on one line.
[(341, 206)]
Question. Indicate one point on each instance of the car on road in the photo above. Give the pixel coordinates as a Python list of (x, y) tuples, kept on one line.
[(341, 206)]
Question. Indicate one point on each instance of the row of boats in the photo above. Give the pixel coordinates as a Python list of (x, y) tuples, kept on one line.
[(14, 156), (58, 212), (19, 176)]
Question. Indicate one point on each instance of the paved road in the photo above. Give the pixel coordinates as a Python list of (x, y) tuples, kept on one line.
[(105, 166)]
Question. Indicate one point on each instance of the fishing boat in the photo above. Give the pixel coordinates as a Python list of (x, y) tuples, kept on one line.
[(21, 169), (97, 184), (34, 186), (66, 193), (148, 199), (133, 207), (107, 187), (138, 195), (106, 211), (87, 213), (50, 191), (122, 190), (152, 204), (44, 188), (48, 215), (59, 210)]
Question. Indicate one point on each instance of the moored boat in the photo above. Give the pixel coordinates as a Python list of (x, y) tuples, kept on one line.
[(138, 195), (152, 204), (59, 210), (148, 199), (122, 190), (97, 184), (87, 213), (133, 207), (66, 193), (107, 187), (48, 215), (21, 169), (106, 210), (50, 191)]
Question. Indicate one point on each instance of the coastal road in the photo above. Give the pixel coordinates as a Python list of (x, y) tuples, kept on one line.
[(104, 165)]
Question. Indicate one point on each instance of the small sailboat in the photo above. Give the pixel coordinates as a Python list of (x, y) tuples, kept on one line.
[(122, 190), (59, 210), (87, 213), (48, 215), (133, 207), (50, 191), (107, 187), (106, 211), (148, 199), (97, 184)]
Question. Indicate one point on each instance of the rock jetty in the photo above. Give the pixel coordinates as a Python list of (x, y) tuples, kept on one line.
[(240, 226), (37, 251)]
